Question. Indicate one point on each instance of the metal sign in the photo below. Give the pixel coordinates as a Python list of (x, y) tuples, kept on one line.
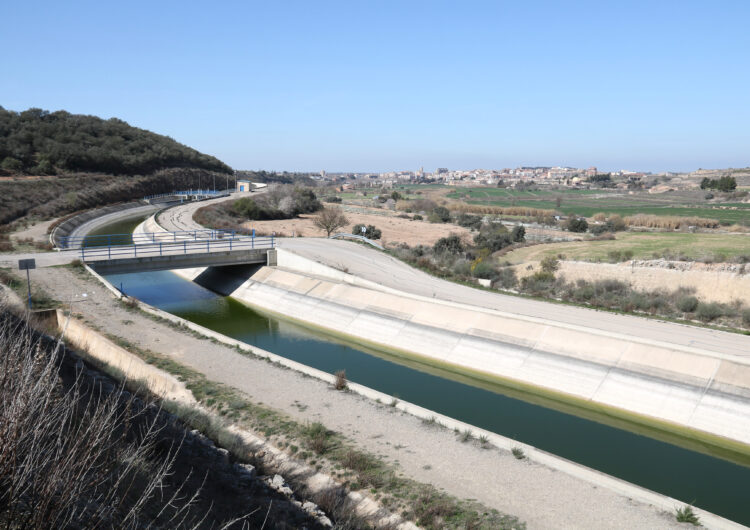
[(26, 264)]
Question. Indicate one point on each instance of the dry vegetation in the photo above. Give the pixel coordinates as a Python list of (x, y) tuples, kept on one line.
[(54, 196), (667, 222), (77, 451)]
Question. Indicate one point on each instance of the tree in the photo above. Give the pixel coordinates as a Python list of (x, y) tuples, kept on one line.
[(518, 234), (330, 219)]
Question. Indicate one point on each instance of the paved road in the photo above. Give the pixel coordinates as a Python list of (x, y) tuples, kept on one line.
[(181, 217)]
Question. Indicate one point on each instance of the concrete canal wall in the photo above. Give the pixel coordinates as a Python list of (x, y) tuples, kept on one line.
[(688, 387)]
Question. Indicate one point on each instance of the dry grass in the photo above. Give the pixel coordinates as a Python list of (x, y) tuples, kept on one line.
[(340, 382), (669, 222)]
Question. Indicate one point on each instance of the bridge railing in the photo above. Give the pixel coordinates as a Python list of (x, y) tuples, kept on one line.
[(144, 237), (173, 248)]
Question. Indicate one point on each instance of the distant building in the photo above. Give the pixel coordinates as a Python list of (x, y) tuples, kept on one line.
[(244, 185), (441, 170)]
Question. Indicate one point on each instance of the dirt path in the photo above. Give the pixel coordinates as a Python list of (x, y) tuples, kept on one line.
[(544, 498), (37, 232)]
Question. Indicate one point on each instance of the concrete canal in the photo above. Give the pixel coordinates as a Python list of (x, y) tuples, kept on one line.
[(681, 471)]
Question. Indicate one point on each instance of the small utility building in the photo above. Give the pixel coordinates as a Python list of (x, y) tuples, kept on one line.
[(244, 185)]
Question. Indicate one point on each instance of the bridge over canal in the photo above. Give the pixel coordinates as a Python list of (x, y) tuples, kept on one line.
[(169, 251)]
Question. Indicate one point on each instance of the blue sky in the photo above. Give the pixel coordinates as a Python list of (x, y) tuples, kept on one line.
[(375, 86)]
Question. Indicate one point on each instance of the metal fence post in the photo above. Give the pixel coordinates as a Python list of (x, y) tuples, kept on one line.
[(160, 248), (184, 246)]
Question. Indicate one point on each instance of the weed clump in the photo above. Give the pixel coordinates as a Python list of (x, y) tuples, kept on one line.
[(686, 514), (340, 381)]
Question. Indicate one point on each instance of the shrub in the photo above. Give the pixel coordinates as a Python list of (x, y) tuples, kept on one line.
[(462, 267), (469, 221), (550, 264), (576, 224), (518, 234), (484, 270), (507, 278), (616, 256), (687, 304), (317, 437), (370, 231), (709, 311), (417, 217), (538, 283), (332, 199), (451, 245), (493, 238), (440, 214), (746, 317)]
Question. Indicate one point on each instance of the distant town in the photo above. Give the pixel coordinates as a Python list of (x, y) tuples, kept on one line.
[(542, 175)]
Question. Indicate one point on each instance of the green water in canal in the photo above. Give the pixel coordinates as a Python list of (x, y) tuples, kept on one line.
[(715, 484)]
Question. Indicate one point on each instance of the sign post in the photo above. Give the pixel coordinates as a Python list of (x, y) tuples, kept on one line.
[(27, 265)]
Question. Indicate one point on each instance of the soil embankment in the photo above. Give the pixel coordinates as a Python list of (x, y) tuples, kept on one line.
[(719, 282)]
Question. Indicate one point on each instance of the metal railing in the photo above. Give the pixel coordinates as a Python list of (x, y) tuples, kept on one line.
[(127, 239), (176, 248)]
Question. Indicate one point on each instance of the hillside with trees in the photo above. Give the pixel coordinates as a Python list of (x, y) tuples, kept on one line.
[(39, 142)]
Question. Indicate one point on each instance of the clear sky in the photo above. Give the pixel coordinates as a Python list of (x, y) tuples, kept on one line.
[(375, 86)]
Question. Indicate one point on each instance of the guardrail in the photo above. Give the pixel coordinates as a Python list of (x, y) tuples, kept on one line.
[(127, 239), (341, 235), (173, 248)]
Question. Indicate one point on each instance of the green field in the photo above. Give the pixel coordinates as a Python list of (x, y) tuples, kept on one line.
[(590, 202), (643, 245)]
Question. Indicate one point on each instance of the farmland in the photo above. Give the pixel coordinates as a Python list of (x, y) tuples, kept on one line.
[(589, 202)]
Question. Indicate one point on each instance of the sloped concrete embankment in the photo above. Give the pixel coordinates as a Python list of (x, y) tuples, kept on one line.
[(83, 223), (687, 387)]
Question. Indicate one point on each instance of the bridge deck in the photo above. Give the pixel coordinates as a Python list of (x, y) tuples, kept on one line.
[(166, 255)]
